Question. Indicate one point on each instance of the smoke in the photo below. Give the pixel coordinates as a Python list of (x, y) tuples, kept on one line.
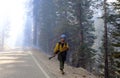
[(12, 21)]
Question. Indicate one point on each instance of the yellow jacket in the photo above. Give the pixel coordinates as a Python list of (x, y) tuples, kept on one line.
[(59, 48)]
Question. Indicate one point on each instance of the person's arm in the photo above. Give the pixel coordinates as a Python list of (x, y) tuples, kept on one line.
[(56, 49), (65, 48)]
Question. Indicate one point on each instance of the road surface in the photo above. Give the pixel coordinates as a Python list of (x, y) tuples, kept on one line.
[(21, 64)]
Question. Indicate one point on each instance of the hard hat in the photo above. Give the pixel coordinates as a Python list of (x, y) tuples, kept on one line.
[(63, 36)]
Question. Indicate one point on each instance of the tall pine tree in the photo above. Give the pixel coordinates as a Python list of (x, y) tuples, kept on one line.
[(114, 20), (85, 37)]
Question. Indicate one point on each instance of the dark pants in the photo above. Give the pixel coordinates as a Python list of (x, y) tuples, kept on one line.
[(62, 59)]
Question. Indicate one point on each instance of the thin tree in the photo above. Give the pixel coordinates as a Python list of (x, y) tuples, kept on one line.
[(105, 40), (2, 38)]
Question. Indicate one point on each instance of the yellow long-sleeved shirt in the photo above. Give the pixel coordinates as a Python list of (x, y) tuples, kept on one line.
[(59, 48)]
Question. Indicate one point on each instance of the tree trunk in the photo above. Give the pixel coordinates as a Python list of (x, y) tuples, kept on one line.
[(3, 38), (105, 40)]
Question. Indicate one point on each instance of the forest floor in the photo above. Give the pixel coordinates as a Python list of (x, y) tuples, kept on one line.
[(52, 66)]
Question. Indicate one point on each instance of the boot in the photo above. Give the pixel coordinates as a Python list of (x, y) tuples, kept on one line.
[(62, 72)]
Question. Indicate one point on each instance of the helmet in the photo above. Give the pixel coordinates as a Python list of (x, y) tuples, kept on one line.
[(63, 36)]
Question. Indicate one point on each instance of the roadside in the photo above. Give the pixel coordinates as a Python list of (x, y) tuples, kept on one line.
[(52, 67)]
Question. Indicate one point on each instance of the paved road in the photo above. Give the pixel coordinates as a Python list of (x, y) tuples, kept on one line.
[(18, 64)]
